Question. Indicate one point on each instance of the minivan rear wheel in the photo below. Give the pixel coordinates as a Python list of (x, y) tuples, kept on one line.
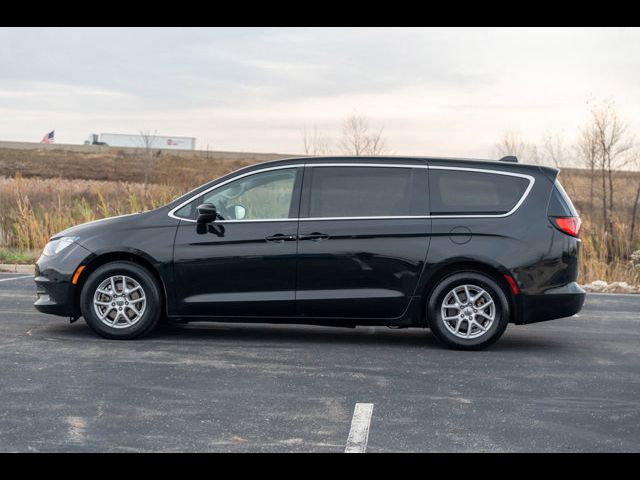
[(467, 311), (121, 300)]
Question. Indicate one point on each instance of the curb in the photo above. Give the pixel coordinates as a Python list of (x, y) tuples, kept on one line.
[(17, 268)]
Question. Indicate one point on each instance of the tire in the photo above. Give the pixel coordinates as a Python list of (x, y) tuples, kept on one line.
[(126, 315), (469, 325)]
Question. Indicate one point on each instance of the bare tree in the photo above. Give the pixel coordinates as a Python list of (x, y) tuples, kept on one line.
[(377, 144), (554, 152), (149, 143), (354, 135), (636, 200), (588, 154), (612, 145), (358, 139), (511, 143), (314, 143)]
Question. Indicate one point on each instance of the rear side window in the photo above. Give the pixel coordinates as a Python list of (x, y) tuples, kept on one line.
[(560, 205), (459, 192), (367, 192)]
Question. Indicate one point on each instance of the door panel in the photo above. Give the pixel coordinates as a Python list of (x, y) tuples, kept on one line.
[(357, 256), (363, 268), (244, 263), (233, 269)]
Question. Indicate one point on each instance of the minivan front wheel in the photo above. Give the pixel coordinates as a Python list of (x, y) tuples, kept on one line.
[(467, 311), (121, 300)]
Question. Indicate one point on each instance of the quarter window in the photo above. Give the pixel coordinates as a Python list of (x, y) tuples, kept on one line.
[(188, 211), (466, 192), (560, 205), (367, 192)]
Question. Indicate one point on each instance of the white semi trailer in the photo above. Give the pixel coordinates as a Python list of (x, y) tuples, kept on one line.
[(137, 141)]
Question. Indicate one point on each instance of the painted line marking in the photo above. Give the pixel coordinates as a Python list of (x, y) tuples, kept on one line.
[(359, 433), (15, 278)]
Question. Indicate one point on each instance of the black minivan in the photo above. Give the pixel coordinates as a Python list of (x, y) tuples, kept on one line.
[(462, 247)]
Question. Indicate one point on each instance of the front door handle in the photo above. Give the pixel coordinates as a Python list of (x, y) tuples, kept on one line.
[(280, 238), (315, 236)]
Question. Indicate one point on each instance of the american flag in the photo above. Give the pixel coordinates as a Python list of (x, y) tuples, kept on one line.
[(49, 137)]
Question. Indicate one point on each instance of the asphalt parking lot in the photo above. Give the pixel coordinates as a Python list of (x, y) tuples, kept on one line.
[(565, 385)]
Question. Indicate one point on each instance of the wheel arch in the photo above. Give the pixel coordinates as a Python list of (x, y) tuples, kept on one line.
[(97, 260), (496, 272)]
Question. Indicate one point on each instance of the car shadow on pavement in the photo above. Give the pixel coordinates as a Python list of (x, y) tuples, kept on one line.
[(277, 333)]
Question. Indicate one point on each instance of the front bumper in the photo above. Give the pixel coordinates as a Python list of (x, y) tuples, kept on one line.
[(555, 303), (53, 275)]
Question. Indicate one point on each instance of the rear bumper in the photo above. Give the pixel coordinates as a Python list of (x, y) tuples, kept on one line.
[(555, 303)]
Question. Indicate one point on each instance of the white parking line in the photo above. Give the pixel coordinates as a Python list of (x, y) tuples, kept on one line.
[(15, 278), (359, 433)]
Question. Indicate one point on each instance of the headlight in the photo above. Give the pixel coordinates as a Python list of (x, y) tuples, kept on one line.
[(57, 245)]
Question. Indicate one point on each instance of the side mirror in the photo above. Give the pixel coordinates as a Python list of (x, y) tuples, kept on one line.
[(239, 212), (207, 213)]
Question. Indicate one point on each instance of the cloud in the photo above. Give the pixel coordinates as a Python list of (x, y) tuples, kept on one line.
[(443, 90)]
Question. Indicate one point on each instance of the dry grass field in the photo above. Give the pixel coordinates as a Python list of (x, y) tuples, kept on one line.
[(576, 183), (597, 263), (43, 192), (117, 165), (37, 208)]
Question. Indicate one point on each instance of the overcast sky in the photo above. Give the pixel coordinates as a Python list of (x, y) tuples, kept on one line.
[(442, 91)]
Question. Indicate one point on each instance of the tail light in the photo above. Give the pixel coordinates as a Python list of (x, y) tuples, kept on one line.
[(568, 225)]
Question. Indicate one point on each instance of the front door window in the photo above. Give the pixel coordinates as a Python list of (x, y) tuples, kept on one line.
[(262, 196)]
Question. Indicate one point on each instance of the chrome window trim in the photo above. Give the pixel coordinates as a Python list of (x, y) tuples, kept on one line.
[(383, 165), (355, 164)]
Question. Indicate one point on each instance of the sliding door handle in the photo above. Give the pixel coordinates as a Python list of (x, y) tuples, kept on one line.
[(280, 238), (315, 236)]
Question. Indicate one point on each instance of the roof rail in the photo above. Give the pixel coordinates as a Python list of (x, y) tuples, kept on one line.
[(509, 158)]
